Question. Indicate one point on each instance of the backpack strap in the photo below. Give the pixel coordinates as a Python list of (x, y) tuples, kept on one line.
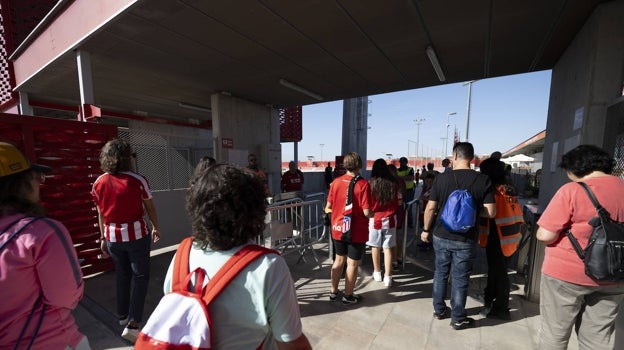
[(602, 212), (231, 269), (599, 208), (14, 234), (471, 182), (181, 264), (350, 191), (235, 264)]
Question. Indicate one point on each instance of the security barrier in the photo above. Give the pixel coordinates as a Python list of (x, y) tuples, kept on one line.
[(295, 225), (411, 205)]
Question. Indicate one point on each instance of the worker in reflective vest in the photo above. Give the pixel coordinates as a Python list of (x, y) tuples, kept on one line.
[(509, 222), (500, 237)]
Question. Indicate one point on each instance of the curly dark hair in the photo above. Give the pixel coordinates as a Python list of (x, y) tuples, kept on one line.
[(382, 183), (226, 206), (352, 161), (15, 191), (585, 159), (203, 164), (116, 156)]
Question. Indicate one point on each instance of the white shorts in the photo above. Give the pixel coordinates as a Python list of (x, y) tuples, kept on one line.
[(382, 238)]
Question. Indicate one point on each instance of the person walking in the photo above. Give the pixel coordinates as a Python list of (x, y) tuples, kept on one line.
[(122, 197), (455, 249), (386, 199), (227, 206), (349, 202), (569, 299), (39, 271)]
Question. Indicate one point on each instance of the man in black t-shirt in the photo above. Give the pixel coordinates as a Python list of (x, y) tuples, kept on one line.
[(454, 248)]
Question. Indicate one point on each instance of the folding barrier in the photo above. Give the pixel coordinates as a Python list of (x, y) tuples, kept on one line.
[(295, 225)]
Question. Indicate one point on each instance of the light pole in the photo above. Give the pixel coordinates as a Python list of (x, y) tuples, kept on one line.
[(322, 144), (468, 109), (447, 127), (418, 122)]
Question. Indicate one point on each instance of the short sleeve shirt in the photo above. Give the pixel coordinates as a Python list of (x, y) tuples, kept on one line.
[(259, 304), (571, 208), (119, 198), (479, 186), (385, 214), (292, 181), (361, 200)]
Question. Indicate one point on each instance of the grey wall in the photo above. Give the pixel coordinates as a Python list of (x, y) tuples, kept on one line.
[(585, 81), (172, 218)]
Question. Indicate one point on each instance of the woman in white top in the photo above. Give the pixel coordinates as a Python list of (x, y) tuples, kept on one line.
[(227, 207)]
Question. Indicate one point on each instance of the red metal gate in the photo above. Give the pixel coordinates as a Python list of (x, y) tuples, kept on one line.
[(71, 149)]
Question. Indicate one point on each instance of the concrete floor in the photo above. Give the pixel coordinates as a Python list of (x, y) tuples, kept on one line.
[(399, 317)]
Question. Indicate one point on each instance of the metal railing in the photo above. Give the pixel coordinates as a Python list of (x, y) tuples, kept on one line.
[(295, 225), (414, 204)]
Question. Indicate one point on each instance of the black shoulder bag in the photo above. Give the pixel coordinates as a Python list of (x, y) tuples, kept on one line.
[(604, 255), (348, 211)]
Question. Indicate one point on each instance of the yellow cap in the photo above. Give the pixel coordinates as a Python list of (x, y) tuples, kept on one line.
[(12, 161)]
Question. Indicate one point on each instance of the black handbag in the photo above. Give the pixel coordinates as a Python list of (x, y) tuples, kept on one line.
[(604, 254)]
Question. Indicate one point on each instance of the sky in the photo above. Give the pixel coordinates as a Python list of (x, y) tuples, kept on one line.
[(504, 112)]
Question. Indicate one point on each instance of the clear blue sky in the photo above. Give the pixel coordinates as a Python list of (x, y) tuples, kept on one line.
[(504, 112)]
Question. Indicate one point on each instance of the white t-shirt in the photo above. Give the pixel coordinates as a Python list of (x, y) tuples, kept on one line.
[(260, 304)]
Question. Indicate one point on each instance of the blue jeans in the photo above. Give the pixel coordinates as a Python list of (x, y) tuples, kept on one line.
[(460, 256), (132, 261)]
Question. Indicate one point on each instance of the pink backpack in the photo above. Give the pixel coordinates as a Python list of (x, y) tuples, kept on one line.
[(182, 319)]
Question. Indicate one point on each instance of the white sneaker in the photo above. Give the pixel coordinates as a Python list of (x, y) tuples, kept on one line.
[(130, 334), (388, 281), (377, 276), (123, 320)]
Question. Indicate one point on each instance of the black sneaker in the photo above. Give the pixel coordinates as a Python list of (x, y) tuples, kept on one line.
[(395, 267), (351, 299), (465, 323), (334, 296), (442, 315)]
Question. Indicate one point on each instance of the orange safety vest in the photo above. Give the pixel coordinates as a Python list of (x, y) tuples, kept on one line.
[(509, 222)]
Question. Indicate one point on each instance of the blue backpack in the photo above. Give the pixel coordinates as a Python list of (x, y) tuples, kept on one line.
[(460, 211)]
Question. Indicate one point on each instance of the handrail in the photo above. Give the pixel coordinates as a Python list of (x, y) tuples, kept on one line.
[(408, 207)]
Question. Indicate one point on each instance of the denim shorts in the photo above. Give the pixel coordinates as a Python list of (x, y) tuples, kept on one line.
[(382, 238)]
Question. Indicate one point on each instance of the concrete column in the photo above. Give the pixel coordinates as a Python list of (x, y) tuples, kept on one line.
[(355, 127), (242, 127)]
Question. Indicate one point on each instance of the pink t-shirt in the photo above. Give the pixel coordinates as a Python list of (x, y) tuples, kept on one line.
[(361, 200), (120, 200), (40, 260), (571, 208)]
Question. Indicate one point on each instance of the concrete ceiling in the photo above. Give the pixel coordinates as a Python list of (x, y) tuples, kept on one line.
[(160, 53)]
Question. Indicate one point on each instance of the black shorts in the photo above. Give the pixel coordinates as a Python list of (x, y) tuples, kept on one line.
[(354, 251)]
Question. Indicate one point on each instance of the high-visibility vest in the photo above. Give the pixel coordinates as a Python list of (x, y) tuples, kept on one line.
[(408, 184), (509, 222)]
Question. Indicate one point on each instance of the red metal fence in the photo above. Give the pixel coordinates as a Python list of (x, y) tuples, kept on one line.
[(72, 149)]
